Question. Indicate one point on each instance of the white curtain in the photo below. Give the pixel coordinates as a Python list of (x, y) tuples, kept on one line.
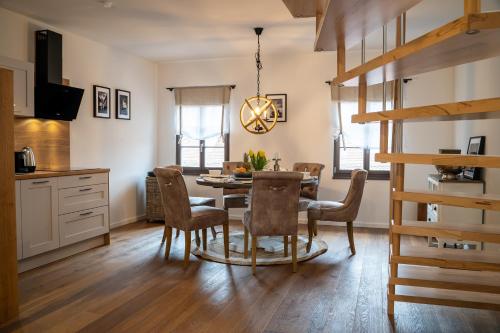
[(345, 105), (203, 111)]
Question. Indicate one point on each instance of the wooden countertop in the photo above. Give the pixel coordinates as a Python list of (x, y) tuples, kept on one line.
[(62, 173)]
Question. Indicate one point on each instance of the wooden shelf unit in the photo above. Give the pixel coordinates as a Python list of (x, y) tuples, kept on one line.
[(301, 8), (470, 38), (450, 277), (480, 201), (467, 110), (480, 161), (350, 21)]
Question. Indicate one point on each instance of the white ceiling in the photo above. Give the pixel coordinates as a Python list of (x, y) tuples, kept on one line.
[(167, 30)]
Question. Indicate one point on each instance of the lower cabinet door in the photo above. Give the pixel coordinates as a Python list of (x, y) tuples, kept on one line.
[(85, 224), (39, 216)]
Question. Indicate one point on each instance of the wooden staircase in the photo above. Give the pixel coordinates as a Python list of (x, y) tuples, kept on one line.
[(447, 277)]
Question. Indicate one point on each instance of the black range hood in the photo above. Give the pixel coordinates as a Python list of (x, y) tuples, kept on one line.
[(53, 100)]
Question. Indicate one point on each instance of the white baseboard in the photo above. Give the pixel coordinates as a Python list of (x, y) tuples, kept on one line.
[(128, 220), (362, 224)]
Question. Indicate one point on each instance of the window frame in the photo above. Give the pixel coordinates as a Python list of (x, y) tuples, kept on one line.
[(346, 174), (195, 171)]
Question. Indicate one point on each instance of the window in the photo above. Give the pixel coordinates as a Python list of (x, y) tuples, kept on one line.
[(198, 155), (361, 142), (203, 126)]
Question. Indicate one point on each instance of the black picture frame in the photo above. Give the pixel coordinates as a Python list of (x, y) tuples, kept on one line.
[(281, 104), (123, 106), (475, 147), (102, 102)]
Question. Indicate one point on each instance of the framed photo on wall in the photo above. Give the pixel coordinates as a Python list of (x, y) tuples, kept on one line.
[(102, 102), (122, 104), (280, 103), (476, 147)]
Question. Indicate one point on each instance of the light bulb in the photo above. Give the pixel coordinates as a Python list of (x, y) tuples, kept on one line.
[(257, 110)]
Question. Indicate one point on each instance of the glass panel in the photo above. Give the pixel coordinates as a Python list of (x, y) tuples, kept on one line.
[(351, 158), (190, 157), (214, 157), (201, 122), (215, 141), (187, 142)]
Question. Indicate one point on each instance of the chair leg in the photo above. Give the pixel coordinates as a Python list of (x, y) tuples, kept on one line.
[(245, 243), (168, 235), (165, 233), (214, 233), (204, 238), (225, 228), (254, 254), (177, 233), (197, 235), (315, 228), (187, 247), (294, 253), (310, 231), (350, 235), (285, 246)]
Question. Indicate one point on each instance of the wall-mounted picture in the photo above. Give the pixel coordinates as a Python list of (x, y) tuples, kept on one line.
[(122, 104), (280, 103), (476, 147), (102, 102)]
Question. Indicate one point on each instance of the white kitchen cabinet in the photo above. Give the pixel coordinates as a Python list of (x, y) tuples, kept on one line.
[(19, 237), (81, 225), (39, 216), (24, 85)]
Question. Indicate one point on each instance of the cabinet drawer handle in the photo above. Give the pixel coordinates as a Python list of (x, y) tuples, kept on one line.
[(85, 214), (85, 177), (40, 182), (85, 189)]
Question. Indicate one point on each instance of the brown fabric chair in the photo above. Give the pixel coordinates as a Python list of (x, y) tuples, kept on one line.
[(179, 214), (195, 201), (308, 193), (274, 210), (339, 211), (233, 198)]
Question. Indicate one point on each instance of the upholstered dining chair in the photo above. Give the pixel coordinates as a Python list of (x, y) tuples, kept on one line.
[(181, 215), (309, 194), (195, 201), (233, 198), (273, 211), (339, 211)]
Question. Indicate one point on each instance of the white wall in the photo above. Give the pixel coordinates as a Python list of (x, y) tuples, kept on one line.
[(128, 148), (476, 81), (307, 135)]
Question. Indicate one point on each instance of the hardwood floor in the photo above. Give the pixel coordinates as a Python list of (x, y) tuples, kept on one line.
[(128, 287)]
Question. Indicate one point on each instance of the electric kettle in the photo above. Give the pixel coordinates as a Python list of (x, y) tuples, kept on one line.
[(25, 160)]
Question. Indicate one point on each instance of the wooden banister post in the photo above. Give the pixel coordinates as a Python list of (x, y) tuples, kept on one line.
[(472, 6), (8, 257)]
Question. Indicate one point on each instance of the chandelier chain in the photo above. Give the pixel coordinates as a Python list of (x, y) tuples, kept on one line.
[(259, 67)]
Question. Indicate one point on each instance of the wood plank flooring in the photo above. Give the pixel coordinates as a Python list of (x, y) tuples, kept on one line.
[(129, 287)]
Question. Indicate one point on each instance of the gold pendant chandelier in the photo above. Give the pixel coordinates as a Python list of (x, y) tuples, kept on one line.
[(258, 114)]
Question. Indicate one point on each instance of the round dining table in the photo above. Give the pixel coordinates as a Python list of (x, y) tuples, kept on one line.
[(231, 182)]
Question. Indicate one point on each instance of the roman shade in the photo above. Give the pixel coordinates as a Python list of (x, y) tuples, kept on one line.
[(345, 104), (203, 111)]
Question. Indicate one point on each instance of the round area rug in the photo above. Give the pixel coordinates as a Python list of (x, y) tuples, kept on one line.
[(269, 250)]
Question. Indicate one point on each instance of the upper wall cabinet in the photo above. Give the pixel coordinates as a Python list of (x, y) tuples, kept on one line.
[(24, 85)]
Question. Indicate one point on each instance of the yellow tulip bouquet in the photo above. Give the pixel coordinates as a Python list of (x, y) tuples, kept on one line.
[(259, 160)]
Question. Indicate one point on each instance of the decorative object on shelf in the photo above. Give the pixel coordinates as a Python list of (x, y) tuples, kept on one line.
[(476, 147), (276, 160), (258, 107), (259, 160), (448, 172), (280, 102), (102, 102), (122, 104)]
